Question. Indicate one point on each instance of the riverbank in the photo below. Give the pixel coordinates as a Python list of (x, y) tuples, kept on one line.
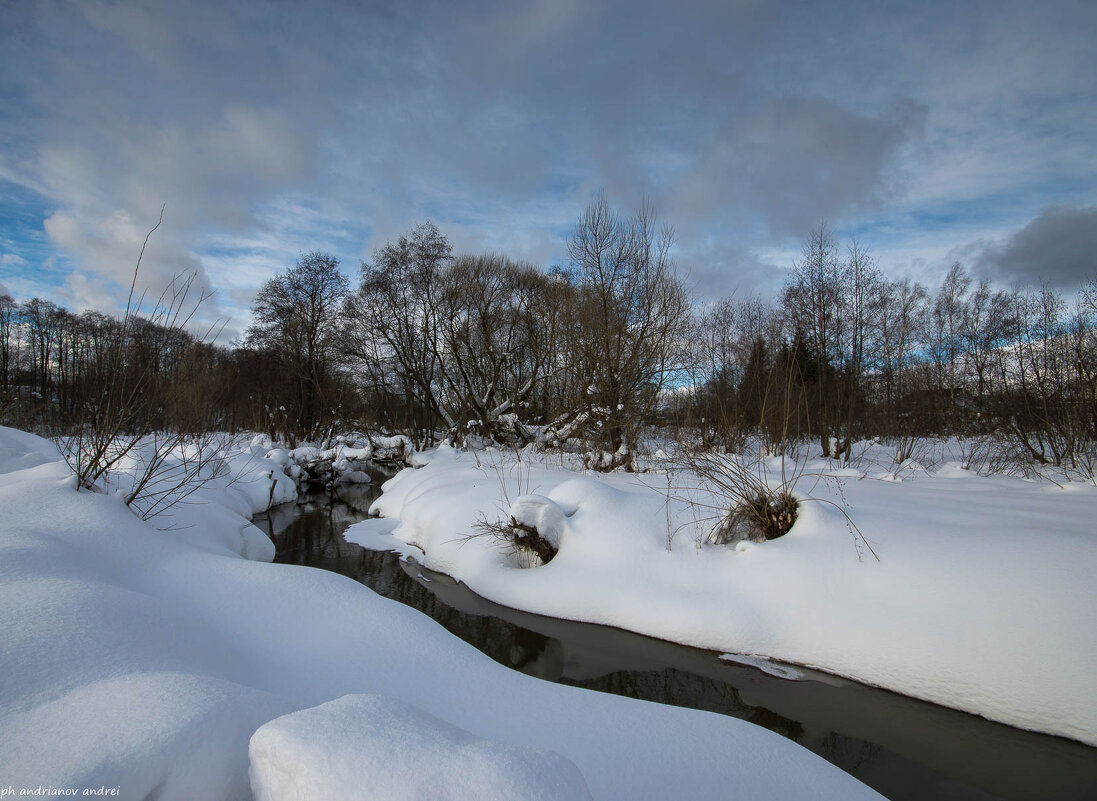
[(981, 599), (905, 749), (149, 659)]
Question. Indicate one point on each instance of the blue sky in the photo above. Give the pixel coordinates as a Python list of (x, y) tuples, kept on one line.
[(933, 131)]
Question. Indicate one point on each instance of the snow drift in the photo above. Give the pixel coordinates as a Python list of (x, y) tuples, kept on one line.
[(982, 599), (146, 660)]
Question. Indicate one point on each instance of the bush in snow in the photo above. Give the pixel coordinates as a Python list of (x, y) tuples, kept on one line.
[(761, 514), (529, 543), (533, 529), (745, 504), (532, 525)]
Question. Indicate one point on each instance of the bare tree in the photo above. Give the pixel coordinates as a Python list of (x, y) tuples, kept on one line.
[(39, 318), (498, 332), (901, 319), (830, 301), (8, 318), (633, 310), (296, 317), (734, 344), (393, 328), (122, 411), (946, 341), (1050, 411)]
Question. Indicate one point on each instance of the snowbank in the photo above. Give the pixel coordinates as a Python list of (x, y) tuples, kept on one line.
[(386, 750), (345, 463), (982, 599), (145, 660), (225, 469)]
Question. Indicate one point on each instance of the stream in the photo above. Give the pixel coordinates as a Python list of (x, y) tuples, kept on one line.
[(901, 747)]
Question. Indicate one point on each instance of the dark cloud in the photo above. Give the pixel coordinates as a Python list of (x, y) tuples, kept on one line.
[(1059, 247), (796, 161)]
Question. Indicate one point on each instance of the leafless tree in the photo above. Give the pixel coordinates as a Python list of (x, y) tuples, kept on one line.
[(499, 332), (946, 341), (296, 315), (632, 311), (393, 328), (830, 300), (122, 411), (8, 318), (899, 318)]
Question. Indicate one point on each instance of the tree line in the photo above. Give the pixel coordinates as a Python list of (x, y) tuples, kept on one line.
[(847, 353), (437, 344)]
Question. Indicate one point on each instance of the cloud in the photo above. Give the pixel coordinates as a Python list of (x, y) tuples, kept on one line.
[(1059, 246), (796, 161), (83, 292), (715, 268), (111, 250), (12, 260), (274, 128)]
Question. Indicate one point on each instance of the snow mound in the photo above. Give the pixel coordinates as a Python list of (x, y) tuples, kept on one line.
[(171, 736), (369, 746), (352, 476), (12, 460), (542, 514)]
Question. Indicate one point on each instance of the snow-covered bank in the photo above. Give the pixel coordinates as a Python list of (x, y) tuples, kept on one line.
[(982, 599), (146, 660), (399, 751), (345, 462)]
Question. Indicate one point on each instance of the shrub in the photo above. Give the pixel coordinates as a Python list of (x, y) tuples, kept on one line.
[(760, 515)]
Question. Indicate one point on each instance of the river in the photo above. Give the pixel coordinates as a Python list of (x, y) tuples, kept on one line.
[(903, 748)]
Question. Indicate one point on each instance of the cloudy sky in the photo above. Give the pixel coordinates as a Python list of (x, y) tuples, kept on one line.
[(931, 131)]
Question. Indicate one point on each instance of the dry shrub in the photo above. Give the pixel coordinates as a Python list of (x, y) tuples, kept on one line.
[(747, 504), (759, 515), (749, 507), (527, 545)]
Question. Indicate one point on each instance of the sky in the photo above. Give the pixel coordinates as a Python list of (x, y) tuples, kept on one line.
[(932, 132)]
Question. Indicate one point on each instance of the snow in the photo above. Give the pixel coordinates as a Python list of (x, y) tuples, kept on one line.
[(394, 751), (351, 476), (145, 659), (376, 534), (346, 463), (543, 514), (982, 599), (765, 665)]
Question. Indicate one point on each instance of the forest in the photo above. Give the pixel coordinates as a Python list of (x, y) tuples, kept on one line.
[(586, 356)]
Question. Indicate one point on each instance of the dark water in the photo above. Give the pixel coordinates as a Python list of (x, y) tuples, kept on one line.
[(905, 749)]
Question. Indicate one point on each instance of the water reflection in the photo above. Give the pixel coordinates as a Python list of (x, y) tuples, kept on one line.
[(903, 748)]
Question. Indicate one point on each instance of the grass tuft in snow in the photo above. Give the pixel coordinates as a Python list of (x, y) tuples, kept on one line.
[(762, 514), (529, 548), (746, 500), (749, 506)]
